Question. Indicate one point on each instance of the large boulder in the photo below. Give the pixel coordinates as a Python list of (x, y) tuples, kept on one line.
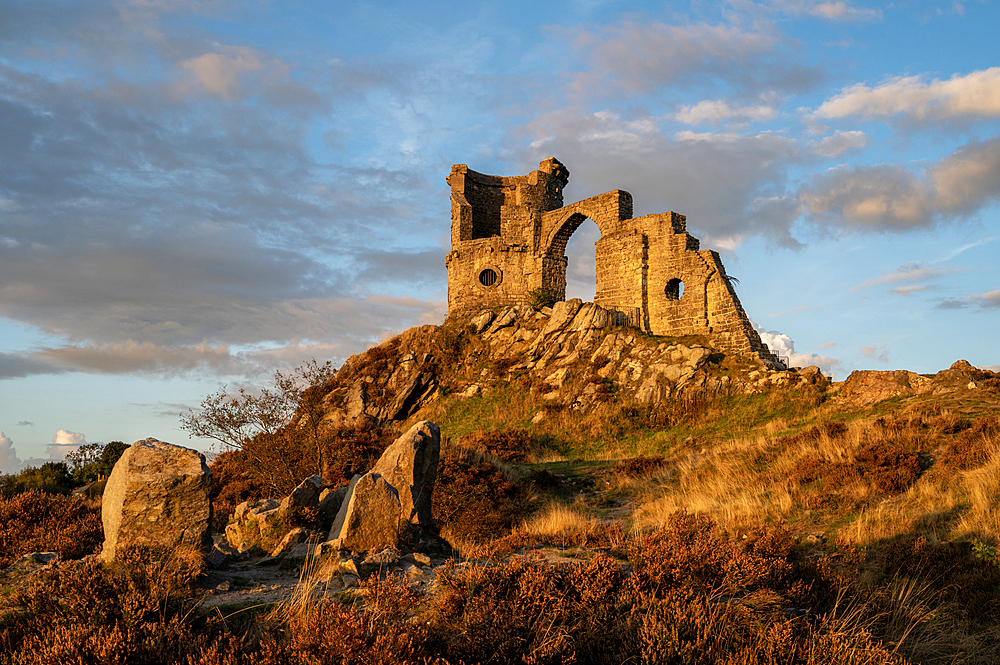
[(369, 521), (158, 495), (394, 497), (410, 465), (868, 387)]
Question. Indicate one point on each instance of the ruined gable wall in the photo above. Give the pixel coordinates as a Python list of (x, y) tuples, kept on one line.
[(495, 223), (509, 236)]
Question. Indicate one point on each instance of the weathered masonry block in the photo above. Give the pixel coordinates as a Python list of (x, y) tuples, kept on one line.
[(508, 242)]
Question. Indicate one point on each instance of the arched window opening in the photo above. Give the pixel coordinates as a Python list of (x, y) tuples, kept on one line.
[(674, 289), (581, 262), (489, 277)]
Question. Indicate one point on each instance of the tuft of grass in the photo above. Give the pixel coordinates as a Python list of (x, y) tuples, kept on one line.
[(561, 523)]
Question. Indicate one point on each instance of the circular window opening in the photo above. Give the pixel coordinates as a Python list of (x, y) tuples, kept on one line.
[(674, 290), (489, 277)]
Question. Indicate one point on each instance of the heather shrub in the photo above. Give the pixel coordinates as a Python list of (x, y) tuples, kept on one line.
[(643, 465), (692, 551), (132, 610), (511, 444), (473, 500), (888, 468), (141, 585), (334, 633), (519, 611), (973, 447), (37, 522), (883, 467)]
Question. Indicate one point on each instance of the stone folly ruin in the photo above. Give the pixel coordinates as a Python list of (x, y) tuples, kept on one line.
[(508, 247)]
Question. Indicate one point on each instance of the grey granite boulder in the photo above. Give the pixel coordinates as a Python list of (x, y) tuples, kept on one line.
[(158, 495), (370, 518), (410, 466)]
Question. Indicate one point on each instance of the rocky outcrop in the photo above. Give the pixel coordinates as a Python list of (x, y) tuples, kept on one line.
[(379, 509), (410, 465), (255, 522), (158, 495), (867, 387), (395, 495), (576, 355)]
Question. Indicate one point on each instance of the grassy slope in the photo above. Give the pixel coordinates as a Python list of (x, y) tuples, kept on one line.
[(741, 457)]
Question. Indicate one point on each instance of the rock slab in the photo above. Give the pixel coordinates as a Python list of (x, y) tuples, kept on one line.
[(158, 495), (370, 518), (410, 465), (867, 387)]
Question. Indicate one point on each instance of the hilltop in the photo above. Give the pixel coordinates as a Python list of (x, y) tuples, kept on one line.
[(739, 437), (604, 496)]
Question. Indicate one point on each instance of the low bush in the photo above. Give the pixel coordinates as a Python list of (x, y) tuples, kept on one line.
[(884, 467), (37, 522), (128, 611), (887, 468), (511, 444), (643, 465), (473, 500)]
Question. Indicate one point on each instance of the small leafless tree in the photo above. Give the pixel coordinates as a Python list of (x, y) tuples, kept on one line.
[(235, 419)]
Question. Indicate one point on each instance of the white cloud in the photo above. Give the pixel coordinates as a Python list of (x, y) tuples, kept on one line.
[(221, 72), (892, 197), (910, 289), (841, 11), (989, 300), (910, 272), (782, 345), (984, 301), (972, 96), (831, 11), (717, 111), (841, 142), (876, 353), (9, 462), (64, 442), (729, 185), (332, 328), (641, 57)]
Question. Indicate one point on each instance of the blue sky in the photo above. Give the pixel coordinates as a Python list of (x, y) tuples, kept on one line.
[(196, 193)]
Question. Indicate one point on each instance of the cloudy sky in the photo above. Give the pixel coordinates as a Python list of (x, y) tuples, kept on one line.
[(197, 192)]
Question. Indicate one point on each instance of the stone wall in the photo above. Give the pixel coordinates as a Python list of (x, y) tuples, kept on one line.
[(509, 236)]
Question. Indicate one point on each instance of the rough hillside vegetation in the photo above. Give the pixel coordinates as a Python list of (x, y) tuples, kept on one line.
[(567, 356), (609, 497)]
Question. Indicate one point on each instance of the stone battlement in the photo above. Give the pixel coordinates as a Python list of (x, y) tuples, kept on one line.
[(508, 242)]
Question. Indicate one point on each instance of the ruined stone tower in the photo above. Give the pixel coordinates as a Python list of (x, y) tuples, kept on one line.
[(508, 242)]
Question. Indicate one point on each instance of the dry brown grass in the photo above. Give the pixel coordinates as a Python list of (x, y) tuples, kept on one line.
[(559, 521), (894, 475)]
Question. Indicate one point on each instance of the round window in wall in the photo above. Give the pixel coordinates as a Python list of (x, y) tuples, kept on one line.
[(674, 289), (489, 277)]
